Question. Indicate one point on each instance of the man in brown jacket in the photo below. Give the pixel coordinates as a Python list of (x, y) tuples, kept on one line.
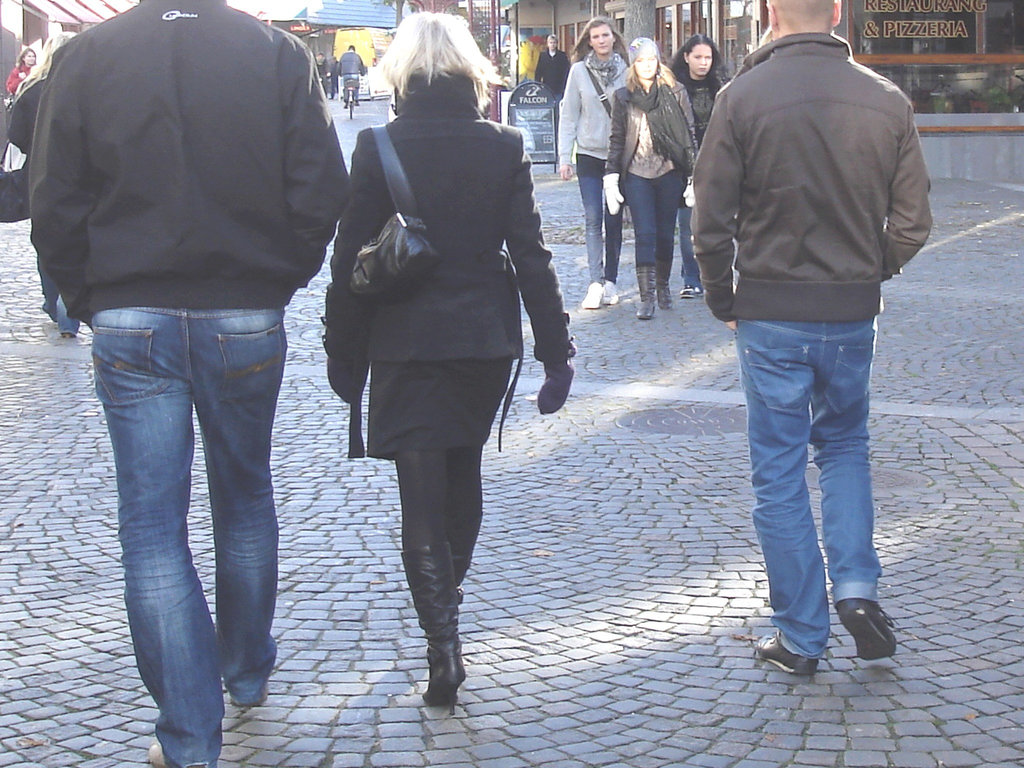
[(811, 184)]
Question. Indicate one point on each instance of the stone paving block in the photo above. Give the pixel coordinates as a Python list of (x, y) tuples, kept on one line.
[(618, 586)]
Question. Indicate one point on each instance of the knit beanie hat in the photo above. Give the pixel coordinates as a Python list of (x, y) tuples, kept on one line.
[(643, 47)]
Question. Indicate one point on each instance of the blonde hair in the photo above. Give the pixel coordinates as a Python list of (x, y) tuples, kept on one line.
[(45, 60), (432, 45), (663, 76)]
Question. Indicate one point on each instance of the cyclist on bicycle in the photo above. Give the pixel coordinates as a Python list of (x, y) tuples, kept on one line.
[(350, 68)]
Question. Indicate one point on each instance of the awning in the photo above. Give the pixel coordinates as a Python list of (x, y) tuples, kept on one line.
[(79, 11), (75, 8), (50, 11)]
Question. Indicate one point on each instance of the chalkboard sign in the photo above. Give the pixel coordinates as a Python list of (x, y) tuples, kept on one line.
[(531, 109)]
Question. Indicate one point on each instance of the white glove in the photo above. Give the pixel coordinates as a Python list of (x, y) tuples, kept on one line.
[(613, 197), (689, 197)]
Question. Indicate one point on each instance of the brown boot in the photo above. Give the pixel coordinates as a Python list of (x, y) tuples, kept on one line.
[(663, 270), (645, 281)]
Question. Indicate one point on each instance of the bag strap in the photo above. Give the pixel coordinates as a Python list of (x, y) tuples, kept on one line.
[(398, 183), (602, 94)]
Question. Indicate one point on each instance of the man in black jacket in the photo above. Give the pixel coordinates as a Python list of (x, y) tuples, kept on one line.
[(186, 178), (553, 68), (812, 166)]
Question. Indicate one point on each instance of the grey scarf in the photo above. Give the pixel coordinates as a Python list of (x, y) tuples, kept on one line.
[(607, 71)]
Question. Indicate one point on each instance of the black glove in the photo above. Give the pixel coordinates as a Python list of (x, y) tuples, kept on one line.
[(341, 374), (555, 389)]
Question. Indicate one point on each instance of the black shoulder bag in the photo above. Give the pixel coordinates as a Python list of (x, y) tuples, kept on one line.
[(394, 263)]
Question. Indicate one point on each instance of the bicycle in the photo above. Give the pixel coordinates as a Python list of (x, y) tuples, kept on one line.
[(351, 92)]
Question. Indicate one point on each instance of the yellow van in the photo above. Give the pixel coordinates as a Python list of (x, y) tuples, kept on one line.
[(371, 44)]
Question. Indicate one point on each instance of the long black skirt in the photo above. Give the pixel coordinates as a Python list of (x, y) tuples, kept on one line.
[(433, 405)]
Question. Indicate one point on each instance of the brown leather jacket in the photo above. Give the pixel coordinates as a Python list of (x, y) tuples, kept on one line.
[(626, 130), (811, 182)]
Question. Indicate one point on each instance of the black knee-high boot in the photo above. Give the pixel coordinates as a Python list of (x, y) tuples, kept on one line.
[(663, 272), (431, 580)]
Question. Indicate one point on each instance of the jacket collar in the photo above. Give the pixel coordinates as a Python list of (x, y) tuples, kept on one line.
[(830, 43), (445, 97)]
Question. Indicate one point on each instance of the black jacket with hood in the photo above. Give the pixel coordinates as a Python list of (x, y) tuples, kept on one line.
[(183, 157)]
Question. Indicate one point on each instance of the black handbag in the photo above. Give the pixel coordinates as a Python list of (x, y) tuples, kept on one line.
[(394, 263), (13, 194)]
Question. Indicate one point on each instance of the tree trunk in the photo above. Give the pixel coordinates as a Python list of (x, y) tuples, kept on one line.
[(640, 18)]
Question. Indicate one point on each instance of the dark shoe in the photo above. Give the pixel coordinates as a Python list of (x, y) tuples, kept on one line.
[(259, 701), (447, 673), (771, 649), (870, 627), (432, 583)]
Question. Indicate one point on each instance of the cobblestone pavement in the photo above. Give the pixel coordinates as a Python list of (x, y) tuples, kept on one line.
[(618, 587)]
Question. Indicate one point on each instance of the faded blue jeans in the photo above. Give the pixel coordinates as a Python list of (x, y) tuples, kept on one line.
[(690, 270), (809, 383), (53, 305), (602, 251), (153, 367)]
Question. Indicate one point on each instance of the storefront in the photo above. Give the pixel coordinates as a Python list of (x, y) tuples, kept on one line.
[(961, 62)]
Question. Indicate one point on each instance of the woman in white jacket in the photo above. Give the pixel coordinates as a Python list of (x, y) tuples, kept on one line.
[(599, 68)]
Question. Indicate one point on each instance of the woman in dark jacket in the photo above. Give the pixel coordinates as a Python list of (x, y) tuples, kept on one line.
[(440, 358), (698, 67), (650, 156), (23, 123)]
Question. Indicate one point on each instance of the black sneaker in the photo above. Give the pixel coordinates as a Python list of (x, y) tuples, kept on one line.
[(870, 627), (771, 649)]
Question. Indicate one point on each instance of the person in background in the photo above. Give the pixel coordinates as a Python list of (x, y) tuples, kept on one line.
[(812, 219), (179, 228), (440, 358), (698, 66), (26, 60), (331, 68), (585, 123), (650, 157), (553, 68), (350, 67), (23, 123)]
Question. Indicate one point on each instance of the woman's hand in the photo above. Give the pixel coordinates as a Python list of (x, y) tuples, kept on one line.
[(555, 389), (613, 197), (341, 375), (565, 171)]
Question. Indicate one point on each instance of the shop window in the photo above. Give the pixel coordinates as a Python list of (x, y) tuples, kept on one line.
[(949, 56)]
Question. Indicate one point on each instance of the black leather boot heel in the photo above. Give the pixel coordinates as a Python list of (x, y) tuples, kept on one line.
[(432, 582)]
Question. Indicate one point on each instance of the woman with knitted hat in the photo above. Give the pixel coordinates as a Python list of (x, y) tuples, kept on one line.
[(650, 157)]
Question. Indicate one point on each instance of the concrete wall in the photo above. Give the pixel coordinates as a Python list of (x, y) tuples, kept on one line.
[(977, 157)]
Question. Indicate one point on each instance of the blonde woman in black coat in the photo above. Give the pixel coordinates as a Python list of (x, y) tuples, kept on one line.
[(440, 359)]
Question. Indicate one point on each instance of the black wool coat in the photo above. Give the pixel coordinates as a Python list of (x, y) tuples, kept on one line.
[(473, 186)]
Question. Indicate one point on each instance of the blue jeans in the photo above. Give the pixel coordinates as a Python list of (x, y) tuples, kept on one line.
[(602, 253), (808, 383), (690, 271), (653, 203), (152, 367), (53, 305)]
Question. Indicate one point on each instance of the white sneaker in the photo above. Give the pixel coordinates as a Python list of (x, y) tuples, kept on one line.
[(156, 755), (611, 296), (593, 298)]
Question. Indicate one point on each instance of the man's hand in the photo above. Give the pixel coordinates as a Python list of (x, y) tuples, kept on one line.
[(730, 324), (565, 171)]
